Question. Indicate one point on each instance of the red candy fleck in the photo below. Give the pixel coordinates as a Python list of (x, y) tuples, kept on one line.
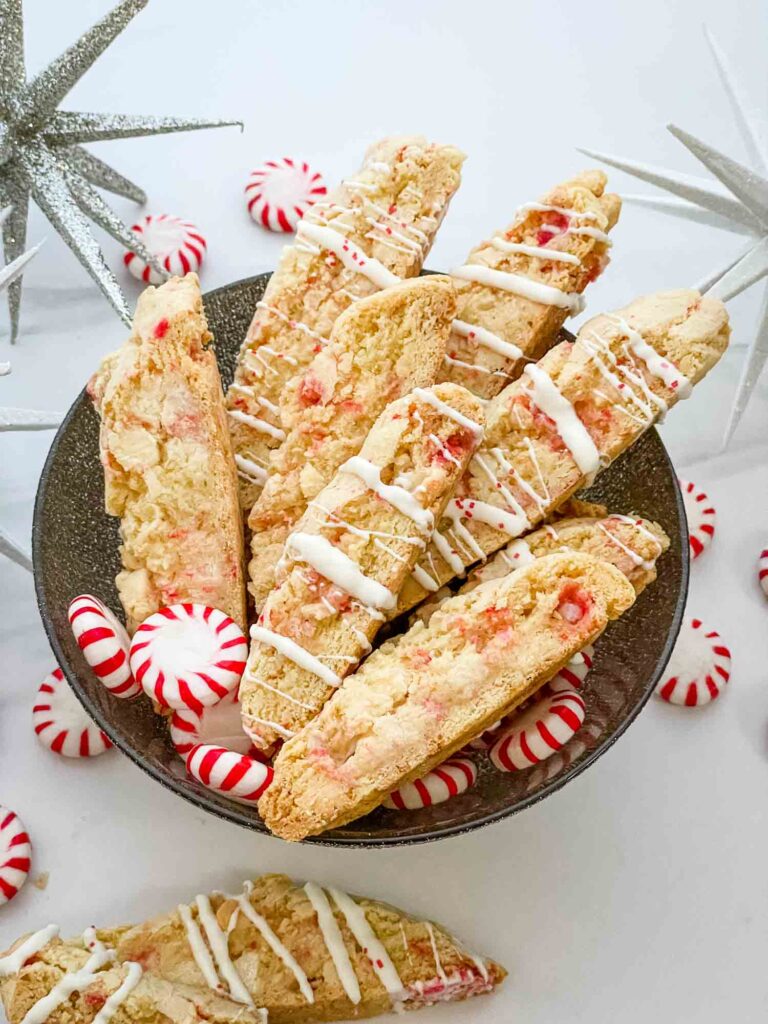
[(161, 328), (574, 603), (310, 391)]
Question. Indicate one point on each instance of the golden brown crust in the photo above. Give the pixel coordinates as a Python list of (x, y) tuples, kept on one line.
[(532, 327), (424, 695), (390, 212), (381, 348), (168, 467), (524, 452), (420, 449)]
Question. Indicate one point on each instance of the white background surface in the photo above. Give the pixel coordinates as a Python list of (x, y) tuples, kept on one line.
[(638, 892)]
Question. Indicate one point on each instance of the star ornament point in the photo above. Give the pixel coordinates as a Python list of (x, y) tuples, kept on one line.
[(736, 200), (42, 154)]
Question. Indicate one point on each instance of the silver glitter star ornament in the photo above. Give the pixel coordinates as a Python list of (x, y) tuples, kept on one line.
[(42, 156), (736, 201)]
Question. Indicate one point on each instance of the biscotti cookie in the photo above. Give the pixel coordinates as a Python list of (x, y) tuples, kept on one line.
[(349, 554), (302, 953), (380, 349), (550, 432), (167, 457), (424, 695), (375, 229), (517, 289), (81, 982)]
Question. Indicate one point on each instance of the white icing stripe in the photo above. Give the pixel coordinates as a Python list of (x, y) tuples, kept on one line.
[(296, 325), (447, 553), (433, 942), (633, 556), (424, 580), (352, 258), (258, 424), (280, 693), (74, 981), (447, 410), (275, 944), (396, 496), (536, 291), (279, 729), (251, 468), (574, 434), (556, 255), (545, 208), (334, 941), (371, 945), (13, 962), (198, 948), (339, 568), (588, 232), (483, 512), (218, 942), (517, 554), (118, 997), (513, 504), (657, 366), (487, 339), (295, 653)]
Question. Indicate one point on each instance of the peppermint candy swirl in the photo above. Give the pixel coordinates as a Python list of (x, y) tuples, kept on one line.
[(61, 723), (237, 776), (280, 192), (15, 854), (699, 668), (177, 244), (105, 644), (449, 779), (539, 731)]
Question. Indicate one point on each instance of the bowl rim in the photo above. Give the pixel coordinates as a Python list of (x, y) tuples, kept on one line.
[(232, 811)]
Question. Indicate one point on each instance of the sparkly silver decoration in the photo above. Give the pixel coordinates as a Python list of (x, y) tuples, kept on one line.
[(28, 419), (13, 272), (11, 549), (737, 201), (41, 153)]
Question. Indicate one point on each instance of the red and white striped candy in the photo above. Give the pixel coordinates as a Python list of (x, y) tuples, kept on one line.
[(104, 643), (15, 854), (219, 725), (177, 244), (762, 571), (701, 517), (280, 192), (188, 656), (572, 675), (539, 731), (449, 779), (61, 723), (699, 668), (235, 775)]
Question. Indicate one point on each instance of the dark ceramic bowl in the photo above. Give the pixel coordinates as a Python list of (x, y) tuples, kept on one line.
[(75, 548)]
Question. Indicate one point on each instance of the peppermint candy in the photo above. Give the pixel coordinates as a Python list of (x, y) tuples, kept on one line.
[(61, 723), (762, 571), (701, 517), (219, 725), (539, 731), (235, 775), (177, 244), (188, 656), (105, 644), (449, 779), (15, 854), (572, 675), (699, 668), (280, 192)]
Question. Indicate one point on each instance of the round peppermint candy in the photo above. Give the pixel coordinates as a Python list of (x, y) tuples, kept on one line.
[(762, 571), (539, 731), (701, 516), (699, 668), (188, 655), (177, 244), (61, 723), (449, 779), (237, 776), (15, 854), (105, 644), (280, 192), (572, 675), (219, 725)]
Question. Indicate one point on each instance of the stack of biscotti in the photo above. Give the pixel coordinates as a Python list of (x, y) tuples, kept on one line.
[(277, 951), (373, 230), (167, 457)]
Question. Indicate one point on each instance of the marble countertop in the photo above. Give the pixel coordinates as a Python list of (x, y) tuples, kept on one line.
[(639, 890)]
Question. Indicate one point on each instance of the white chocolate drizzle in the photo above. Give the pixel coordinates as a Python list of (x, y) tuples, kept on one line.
[(398, 497), (297, 325), (13, 962), (295, 653), (251, 470), (517, 554), (274, 943), (572, 431), (547, 208), (198, 948), (370, 944), (525, 287), (73, 981), (658, 366), (487, 339), (132, 978), (447, 410), (349, 255), (539, 251), (218, 942), (334, 941), (339, 568), (256, 423)]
